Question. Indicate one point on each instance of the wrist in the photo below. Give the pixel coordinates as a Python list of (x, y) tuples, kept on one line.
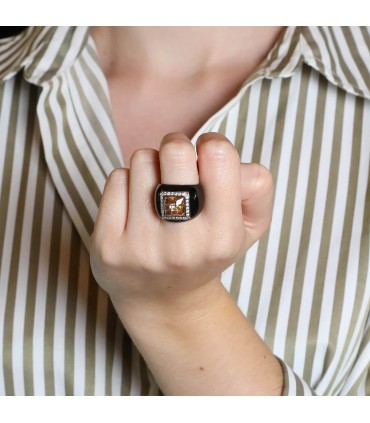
[(171, 309), (208, 348)]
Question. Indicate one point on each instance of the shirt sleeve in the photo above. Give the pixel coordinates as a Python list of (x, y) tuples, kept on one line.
[(293, 384)]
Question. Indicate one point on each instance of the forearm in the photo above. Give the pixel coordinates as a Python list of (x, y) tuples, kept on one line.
[(212, 350)]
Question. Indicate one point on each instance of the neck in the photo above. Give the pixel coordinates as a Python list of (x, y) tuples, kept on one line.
[(181, 52)]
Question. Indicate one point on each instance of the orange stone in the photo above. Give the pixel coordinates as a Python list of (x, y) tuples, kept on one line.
[(174, 205)]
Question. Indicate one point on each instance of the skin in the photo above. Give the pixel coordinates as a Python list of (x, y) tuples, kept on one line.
[(163, 277)]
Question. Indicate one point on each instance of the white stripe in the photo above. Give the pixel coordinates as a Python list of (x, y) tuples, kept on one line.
[(227, 276), (280, 195), (247, 278), (291, 381), (100, 343), (232, 123)]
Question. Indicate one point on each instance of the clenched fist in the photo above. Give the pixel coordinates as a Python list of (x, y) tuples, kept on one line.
[(136, 256), (163, 277)]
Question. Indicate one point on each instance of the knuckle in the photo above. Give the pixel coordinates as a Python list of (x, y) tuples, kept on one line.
[(263, 182), (226, 246), (118, 176), (143, 156), (218, 149), (108, 254), (178, 151)]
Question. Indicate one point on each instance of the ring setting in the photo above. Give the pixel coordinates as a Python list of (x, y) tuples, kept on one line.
[(177, 203)]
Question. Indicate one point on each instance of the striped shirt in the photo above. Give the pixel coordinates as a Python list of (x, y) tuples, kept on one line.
[(305, 286)]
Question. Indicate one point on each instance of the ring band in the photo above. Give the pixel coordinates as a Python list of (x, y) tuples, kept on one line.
[(177, 203)]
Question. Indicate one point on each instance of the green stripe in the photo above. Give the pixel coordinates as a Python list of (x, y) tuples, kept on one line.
[(126, 362), (112, 322), (51, 294), (34, 252), (261, 119), (15, 244), (74, 251), (144, 377), (91, 322), (242, 122)]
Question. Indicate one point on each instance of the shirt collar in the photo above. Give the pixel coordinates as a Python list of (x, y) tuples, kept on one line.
[(41, 52), (340, 54)]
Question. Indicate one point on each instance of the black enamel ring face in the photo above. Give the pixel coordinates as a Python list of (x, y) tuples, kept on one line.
[(177, 203)]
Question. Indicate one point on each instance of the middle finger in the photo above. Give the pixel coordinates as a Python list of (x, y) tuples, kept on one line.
[(178, 160)]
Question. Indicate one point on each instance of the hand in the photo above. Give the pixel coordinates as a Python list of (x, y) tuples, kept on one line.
[(138, 258), (163, 277)]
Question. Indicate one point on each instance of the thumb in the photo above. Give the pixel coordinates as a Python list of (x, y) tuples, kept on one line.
[(257, 199), (112, 214)]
